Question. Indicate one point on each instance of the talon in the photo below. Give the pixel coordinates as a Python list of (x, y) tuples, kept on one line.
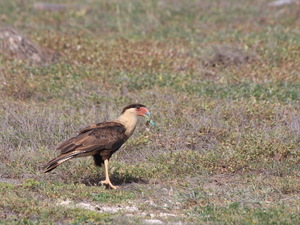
[(108, 183)]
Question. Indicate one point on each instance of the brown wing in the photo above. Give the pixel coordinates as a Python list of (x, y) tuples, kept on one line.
[(94, 138)]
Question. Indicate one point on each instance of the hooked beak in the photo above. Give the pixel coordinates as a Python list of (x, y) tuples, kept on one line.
[(147, 114)]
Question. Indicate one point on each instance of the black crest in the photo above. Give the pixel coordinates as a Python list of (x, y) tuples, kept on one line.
[(133, 106)]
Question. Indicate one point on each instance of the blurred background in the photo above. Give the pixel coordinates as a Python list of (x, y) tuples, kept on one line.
[(220, 78)]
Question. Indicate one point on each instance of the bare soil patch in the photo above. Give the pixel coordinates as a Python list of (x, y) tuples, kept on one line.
[(229, 55)]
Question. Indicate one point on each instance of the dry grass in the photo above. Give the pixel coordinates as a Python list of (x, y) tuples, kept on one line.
[(221, 79)]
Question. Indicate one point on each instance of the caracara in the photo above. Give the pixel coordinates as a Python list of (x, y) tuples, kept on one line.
[(100, 140)]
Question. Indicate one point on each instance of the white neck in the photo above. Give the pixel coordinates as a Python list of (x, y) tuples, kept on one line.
[(129, 120)]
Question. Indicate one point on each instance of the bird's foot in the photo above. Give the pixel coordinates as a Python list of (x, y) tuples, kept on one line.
[(107, 183)]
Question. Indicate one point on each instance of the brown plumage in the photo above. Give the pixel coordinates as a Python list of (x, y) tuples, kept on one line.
[(100, 140)]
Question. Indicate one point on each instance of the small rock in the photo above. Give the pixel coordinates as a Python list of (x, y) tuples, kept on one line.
[(86, 206), (166, 215), (65, 203), (282, 2), (131, 208), (164, 190), (150, 202), (153, 221), (14, 44)]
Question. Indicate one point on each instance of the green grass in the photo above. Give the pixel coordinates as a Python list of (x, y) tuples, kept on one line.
[(245, 215), (221, 79)]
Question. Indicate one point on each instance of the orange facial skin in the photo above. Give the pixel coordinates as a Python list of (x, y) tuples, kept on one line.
[(142, 111)]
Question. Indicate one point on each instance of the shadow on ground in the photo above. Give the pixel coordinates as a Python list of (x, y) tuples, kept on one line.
[(115, 179)]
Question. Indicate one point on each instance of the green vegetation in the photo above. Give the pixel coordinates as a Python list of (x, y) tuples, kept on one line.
[(222, 82)]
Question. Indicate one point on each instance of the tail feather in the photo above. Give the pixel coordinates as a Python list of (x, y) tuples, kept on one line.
[(57, 161)]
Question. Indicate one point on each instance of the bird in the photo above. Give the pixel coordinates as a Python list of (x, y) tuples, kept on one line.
[(100, 140)]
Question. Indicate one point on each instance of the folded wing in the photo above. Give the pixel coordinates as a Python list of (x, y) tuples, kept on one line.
[(98, 139)]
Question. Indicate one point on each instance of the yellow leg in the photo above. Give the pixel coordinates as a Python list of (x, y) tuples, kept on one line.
[(107, 180)]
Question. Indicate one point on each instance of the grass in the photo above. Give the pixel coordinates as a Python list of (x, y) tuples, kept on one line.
[(221, 79)]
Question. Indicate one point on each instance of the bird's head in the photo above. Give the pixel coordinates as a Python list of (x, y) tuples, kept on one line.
[(136, 109)]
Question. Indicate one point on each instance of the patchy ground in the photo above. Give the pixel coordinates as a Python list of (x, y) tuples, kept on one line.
[(221, 79)]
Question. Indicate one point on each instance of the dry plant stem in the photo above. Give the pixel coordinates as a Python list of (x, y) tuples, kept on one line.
[(107, 180)]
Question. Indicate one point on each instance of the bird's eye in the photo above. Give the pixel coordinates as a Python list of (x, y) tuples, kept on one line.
[(138, 107)]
